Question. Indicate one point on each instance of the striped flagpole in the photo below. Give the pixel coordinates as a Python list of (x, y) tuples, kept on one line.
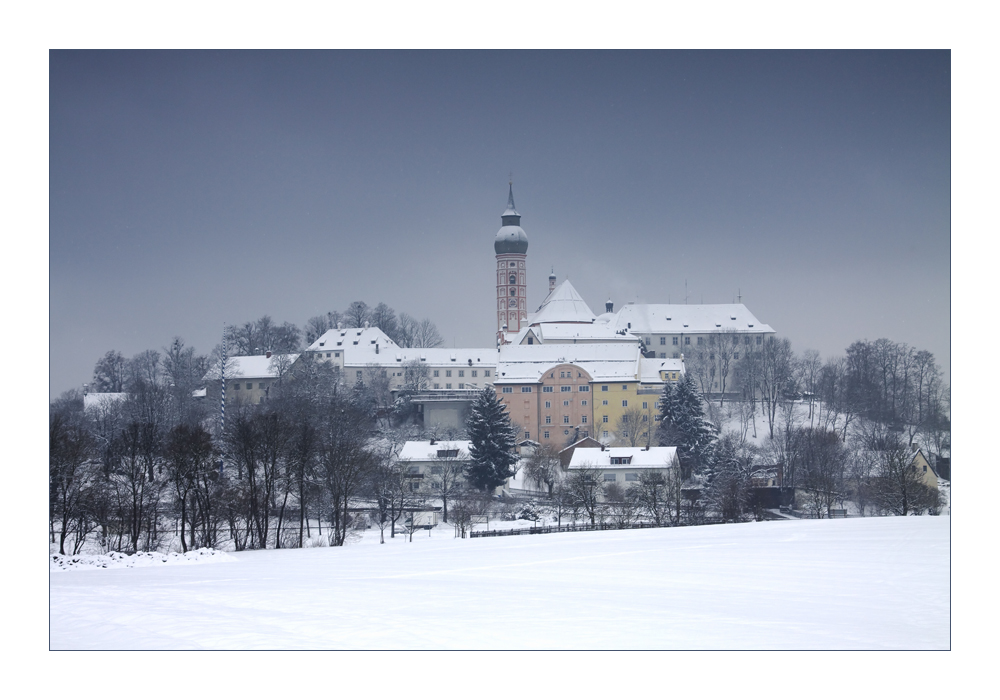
[(222, 405)]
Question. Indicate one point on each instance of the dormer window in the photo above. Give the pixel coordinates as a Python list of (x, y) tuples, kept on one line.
[(322, 344)]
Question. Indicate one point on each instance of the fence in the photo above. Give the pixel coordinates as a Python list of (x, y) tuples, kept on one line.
[(572, 528)]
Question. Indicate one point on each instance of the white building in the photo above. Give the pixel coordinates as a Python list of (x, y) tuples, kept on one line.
[(623, 465)]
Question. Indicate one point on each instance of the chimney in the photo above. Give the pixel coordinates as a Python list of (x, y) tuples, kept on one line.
[(267, 354)]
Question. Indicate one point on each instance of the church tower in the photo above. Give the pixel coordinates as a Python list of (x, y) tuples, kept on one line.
[(511, 246)]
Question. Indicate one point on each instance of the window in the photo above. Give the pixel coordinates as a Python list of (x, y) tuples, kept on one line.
[(565, 388), (437, 470), (513, 292), (565, 419), (546, 433), (548, 404), (547, 390), (413, 469), (531, 341), (584, 402), (513, 279), (604, 419), (445, 453), (624, 403), (604, 387), (663, 355), (525, 389), (359, 374), (645, 419), (631, 477), (461, 372), (584, 388), (527, 434), (437, 373), (336, 354), (461, 385), (610, 477), (648, 341), (508, 390), (687, 341), (414, 486), (583, 419), (437, 386), (759, 340), (604, 434), (548, 420), (448, 385), (645, 404), (475, 373), (675, 340), (236, 386), (663, 340), (621, 460), (512, 264), (486, 373), (736, 356), (624, 387), (604, 402), (447, 373), (327, 354), (565, 432), (656, 404), (701, 341)]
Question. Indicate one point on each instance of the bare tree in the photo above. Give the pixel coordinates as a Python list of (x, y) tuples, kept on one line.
[(632, 428), (586, 488), (447, 476), (543, 467), (110, 372), (357, 314), (69, 480), (622, 504), (426, 335)]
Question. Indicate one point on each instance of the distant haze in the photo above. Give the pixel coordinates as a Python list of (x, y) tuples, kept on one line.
[(192, 189)]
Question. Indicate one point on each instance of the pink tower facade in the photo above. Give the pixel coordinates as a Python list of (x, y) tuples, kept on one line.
[(511, 246)]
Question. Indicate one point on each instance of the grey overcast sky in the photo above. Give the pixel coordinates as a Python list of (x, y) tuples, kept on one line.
[(192, 189)]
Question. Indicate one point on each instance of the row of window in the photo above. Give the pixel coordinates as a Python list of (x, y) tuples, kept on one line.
[(461, 372), (237, 385), (583, 419), (700, 340)]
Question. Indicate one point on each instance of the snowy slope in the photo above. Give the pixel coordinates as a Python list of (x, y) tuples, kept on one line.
[(865, 583)]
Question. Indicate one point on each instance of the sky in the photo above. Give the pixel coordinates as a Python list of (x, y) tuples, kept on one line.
[(188, 190)]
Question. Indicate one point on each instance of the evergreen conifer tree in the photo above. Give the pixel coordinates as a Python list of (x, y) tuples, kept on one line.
[(683, 424), (492, 439)]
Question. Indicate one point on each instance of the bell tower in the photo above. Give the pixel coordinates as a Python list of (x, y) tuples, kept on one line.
[(511, 246)]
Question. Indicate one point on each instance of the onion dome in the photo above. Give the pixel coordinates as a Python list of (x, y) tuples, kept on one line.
[(511, 238)]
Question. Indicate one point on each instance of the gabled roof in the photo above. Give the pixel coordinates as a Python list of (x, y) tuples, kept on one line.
[(344, 338), (563, 305), (650, 368), (253, 366), (642, 458), (425, 451), (688, 318), (602, 361)]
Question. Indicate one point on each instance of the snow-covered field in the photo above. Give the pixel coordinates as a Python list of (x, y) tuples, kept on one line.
[(865, 583)]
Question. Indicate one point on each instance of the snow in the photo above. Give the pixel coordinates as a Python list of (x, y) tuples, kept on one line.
[(117, 560), (862, 583), (642, 457), (651, 319)]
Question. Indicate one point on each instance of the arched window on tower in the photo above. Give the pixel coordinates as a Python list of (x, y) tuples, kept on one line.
[(513, 279), (513, 292)]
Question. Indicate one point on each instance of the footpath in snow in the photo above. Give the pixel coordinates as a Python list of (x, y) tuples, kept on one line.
[(862, 583)]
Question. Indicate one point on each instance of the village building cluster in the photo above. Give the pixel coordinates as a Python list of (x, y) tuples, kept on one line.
[(564, 372)]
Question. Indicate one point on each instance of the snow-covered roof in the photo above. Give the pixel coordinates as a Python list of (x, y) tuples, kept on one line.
[(569, 332), (426, 451), (370, 346), (602, 361), (254, 366), (96, 399), (563, 305), (688, 318), (641, 457), (650, 368), (343, 338)]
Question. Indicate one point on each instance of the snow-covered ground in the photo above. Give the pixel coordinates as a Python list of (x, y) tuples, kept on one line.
[(117, 560), (865, 583)]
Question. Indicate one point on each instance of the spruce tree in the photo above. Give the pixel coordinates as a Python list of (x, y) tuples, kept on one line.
[(683, 425), (493, 438)]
